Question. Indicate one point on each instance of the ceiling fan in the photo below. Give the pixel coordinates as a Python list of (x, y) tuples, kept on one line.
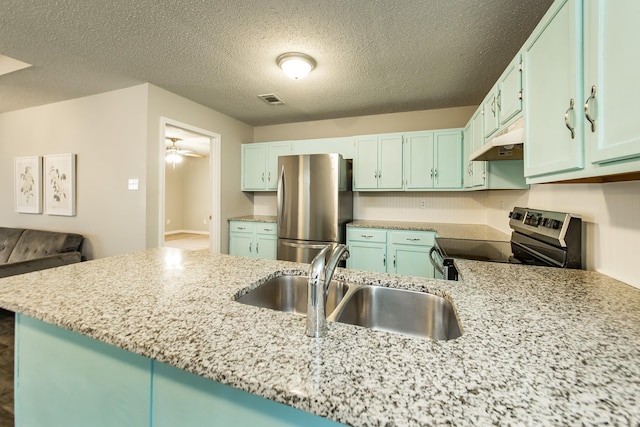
[(175, 155)]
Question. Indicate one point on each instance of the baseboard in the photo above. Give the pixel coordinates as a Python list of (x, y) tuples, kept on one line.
[(204, 233)]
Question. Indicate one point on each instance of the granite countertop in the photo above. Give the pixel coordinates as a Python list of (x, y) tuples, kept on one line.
[(255, 218), (541, 346), (444, 229)]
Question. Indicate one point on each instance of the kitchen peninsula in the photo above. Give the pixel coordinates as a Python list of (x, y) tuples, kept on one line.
[(539, 346)]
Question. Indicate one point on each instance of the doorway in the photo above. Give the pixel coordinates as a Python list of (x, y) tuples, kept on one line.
[(189, 187)]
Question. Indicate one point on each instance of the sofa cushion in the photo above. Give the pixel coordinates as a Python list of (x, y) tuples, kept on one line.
[(38, 243), (8, 239)]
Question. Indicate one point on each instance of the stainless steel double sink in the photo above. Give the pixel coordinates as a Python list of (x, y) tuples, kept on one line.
[(399, 311)]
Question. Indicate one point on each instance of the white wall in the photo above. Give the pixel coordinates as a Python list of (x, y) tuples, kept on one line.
[(187, 199), (107, 132), (173, 198)]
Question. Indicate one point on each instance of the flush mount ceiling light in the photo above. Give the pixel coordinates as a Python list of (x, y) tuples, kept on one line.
[(296, 65)]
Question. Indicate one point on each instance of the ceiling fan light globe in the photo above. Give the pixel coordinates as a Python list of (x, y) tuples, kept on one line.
[(173, 158)]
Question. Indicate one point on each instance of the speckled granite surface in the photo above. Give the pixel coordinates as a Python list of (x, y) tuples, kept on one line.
[(255, 218), (444, 229), (541, 346)]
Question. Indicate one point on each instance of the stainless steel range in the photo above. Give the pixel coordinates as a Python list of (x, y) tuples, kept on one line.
[(539, 237)]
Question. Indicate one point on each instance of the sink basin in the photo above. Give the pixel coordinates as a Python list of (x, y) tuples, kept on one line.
[(289, 294), (400, 311)]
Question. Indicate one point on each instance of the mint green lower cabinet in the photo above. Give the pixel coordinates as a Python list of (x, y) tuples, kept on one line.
[(391, 251), (253, 239), (65, 379)]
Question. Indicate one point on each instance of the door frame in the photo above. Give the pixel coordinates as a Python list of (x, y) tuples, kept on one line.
[(214, 180)]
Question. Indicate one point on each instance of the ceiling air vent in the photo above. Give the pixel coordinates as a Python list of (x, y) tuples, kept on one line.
[(271, 99)]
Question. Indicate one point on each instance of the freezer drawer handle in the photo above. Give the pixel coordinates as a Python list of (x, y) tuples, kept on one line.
[(303, 245)]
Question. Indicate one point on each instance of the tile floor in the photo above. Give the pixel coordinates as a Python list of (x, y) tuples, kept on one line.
[(6, 368)]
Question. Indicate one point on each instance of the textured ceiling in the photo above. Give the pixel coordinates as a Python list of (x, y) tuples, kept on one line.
[(374, 56)]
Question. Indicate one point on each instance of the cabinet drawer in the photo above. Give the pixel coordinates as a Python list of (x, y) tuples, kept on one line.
[(366, 235), (241, 227), (416, 238), (266, 228)]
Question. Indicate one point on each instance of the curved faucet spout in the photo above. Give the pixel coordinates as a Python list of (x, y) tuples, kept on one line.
[(320, 275)]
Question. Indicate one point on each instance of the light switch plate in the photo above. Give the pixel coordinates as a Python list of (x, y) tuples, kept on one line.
[(133, 183)]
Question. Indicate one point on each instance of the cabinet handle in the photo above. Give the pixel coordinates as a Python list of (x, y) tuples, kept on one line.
[(566, 119), (384, 260), (250, 247), (394, 261), (268, 229), (499, 100), (262, 177), (269, 177), (242, 228), (379, 174), (435, 172), (257, 250), (586, 109), (366, 236), (413, 239), (431, 172), (493, 106)]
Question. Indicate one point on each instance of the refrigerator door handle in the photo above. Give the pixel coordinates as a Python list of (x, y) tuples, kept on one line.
[(303, 245), (280, 196)]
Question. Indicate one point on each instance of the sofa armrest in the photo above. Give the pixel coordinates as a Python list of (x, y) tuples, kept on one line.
[(56, 260)]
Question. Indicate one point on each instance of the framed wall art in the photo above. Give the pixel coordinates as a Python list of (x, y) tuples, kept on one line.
[(60, 184), (28, 184)]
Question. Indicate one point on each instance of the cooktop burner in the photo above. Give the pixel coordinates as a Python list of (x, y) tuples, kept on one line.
[(479, 250)]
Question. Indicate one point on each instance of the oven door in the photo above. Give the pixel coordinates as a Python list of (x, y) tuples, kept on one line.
[(444, 268)]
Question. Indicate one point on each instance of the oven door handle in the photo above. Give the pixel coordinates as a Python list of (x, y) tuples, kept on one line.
[(438, 266)]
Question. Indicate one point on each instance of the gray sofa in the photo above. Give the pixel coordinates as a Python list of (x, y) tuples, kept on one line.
[(25, 250)]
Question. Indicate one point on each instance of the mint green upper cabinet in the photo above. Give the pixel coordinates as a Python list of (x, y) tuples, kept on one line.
[(260, 165), (419, 161), (341, 145), (467, 175), (276, 149), (552, 92), (433, 160), (490, 108), (612, 68), (478, 169), (448, 155), (509, 97), (253, 167), (378, 162)]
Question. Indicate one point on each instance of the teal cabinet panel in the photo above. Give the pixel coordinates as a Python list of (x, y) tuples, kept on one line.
[(478, 169), (611, 89), (411, 261), (378, 162), (367, 256), (276, 149), (467, 176), (253, 172), (253, 239), (419, 161), (448, 155), (184, 399), (365, 165), (553, 92), (509, 98), (260, 164), (341, 145), (390, 161), (490, 113), (66, 379)]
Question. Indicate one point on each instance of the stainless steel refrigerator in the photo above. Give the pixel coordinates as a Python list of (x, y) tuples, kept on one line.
[(314, 204)]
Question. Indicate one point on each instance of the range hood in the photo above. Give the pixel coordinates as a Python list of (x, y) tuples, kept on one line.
[(506, 145)]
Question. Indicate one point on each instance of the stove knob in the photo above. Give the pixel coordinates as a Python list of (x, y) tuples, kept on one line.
[(555, 224)]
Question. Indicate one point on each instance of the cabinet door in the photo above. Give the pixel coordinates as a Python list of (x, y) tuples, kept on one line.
[(509, 91), (266, 246), (241, 244), (552, 94), (467, 173), (612, 67), (366, 164), (448, 154), (275, 150), (390, 161), (367, 256), (478, 168), (419, 161), (253, 167), (410, 260), (490, 117)]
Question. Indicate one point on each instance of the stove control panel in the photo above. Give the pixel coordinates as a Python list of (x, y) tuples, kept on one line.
[(538, 222)]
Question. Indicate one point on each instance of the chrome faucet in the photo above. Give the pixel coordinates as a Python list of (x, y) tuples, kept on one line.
[(320, 275)]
